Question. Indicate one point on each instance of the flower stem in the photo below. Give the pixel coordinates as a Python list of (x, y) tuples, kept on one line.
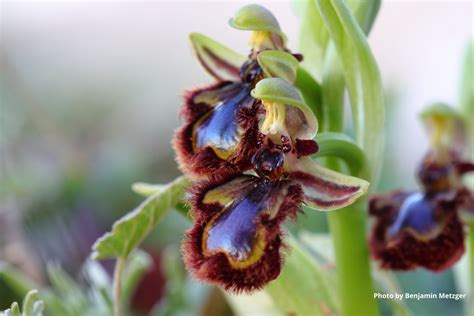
[(118, 272), (470, 301), (352, 260), (348, 233)]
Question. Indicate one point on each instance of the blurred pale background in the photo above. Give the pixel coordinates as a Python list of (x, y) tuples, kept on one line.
[(90, 93)]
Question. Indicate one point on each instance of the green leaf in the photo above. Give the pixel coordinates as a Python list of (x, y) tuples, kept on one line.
[(341, 146), (131, 229), (136, 266), (219, 61), (333, 83), (32, 305), (361, 75), (466, 98), (70, 293), (313, 41), (14, 310), (16, 281), (321, 245), (302, 287), (277, 63), (147, 189)]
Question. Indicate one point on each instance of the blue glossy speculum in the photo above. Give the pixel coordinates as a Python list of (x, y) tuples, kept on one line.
[(219, 129), (417, 215), (235, 232)]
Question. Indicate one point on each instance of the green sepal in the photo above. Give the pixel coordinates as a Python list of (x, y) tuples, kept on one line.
[(325, 189), (439, 110), (219, 61), (254, 17), (278, 64)]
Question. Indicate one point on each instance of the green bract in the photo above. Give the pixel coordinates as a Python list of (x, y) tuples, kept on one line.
[(130, 230), (280, 64)]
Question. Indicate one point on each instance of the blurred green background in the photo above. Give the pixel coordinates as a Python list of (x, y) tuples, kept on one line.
[(90, 93)]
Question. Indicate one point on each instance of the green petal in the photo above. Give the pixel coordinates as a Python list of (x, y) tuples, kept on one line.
[(325, 189), (219, 61), (279, 64), (279, 91)]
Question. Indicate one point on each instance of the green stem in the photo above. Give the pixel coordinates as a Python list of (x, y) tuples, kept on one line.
[(470, 302), (117, 287), (347, 227)]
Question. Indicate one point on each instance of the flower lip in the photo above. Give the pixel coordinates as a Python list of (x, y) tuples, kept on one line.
[(236, 232), (236, 240), (416, 230)]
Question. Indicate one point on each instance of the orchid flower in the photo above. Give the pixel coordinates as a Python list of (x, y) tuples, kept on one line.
[(423, 228), (236, 241)]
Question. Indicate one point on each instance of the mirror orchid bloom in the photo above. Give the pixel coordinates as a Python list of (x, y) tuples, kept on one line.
[(236, 241), (423, 228)]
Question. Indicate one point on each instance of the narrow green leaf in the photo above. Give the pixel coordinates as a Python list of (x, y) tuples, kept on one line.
[(64, 286), (466, 98), (258, 303), (131, 229), (361, 75), (333, 83), (136, 266), (219, 61), (302, 288), (32, 305), (341, 146), (313, 41), (14, 310), (321, 245), (277, 63), (15, 280), (147, 189)]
